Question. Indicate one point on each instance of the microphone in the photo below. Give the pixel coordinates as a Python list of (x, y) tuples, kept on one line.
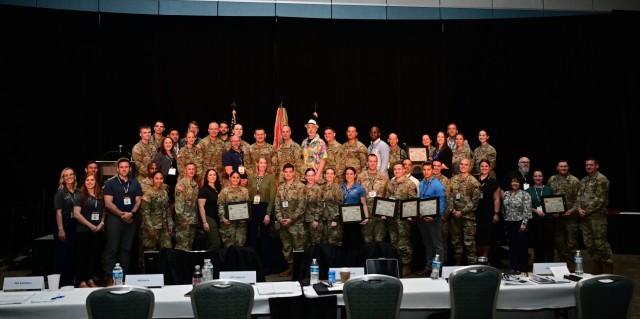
[(404, 145), (120, 148)]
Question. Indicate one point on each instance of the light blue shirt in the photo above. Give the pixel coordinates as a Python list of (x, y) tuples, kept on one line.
[(432, 188), (381, 150)]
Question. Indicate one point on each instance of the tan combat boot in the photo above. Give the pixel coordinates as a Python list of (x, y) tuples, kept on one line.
[(597, 267), (607, 268), (571, 265), (287, 272), (406, 270)]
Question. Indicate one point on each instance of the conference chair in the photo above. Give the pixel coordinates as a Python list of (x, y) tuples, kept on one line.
[(122, 302), (372, 297), (383, 266), (473, 291), (219, 298), (604, 296)]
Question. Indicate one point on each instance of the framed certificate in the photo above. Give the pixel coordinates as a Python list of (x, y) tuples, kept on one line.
[(237, 211), (351, 213), (428, 206), (409, 208), (554, 204), (417, 154), (384, 206)]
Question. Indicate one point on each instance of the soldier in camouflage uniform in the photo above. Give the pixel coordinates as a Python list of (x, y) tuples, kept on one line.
[(143, 152), (460, 153), (291, 200), (484, 152), (313, 209), (259, 149), (328, 222), (186, 207), (591, 205), (463, 196), (289, 152), (232, 232), (355, 153), (396, 153), (567, 225), (400, 187), (334, 158), (212, 149), (156, 229), (375, 183), (157, 137), (191, 154), (444, 228)]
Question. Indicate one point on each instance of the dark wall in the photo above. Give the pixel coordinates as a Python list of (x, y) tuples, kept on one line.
[(547, 88)]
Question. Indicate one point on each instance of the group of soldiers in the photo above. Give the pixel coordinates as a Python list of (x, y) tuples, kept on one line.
[(382, 170)]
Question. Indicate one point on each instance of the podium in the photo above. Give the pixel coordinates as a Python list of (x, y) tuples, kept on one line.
[(107, 170)]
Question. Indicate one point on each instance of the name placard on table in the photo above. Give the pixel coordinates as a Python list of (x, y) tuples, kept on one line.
[(244, 276), (148, 281), (31, 283)]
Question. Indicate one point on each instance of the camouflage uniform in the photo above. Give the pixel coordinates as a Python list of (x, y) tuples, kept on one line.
[(143, 154), (295, 197), (334, 160), (459, 155), (375, 184), (355, 155), (397, 155), (593, 197), (236, 232), (484, 152), (331, 200), (463, 230), (567, 227), (193, 155), (157, 142), (211, 152), (155, 213), (399, 229), (186, 207), (312, 212), (255, 152), (445, 219), (287, 153), (313, 153)]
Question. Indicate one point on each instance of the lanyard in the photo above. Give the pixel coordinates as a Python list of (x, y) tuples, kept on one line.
[(126, 188)]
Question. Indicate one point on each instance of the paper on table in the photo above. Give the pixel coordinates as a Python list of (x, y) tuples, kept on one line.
[(15, 297), (273, 288), (45, 297), (560, 271)]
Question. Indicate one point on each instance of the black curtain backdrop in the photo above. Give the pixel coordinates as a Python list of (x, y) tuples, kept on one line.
[(545, 88)]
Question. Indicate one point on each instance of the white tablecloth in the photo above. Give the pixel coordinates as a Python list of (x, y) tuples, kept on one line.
[(170, 303), (427, 294)]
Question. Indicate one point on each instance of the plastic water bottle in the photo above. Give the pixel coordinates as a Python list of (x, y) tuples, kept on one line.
[(118, 275), (579, 263), (206, 270), (332, 276), (435, 267), (210, 269), (315, 272), (197, 276)]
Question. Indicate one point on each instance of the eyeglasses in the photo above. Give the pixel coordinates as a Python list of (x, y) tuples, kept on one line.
[(524, 162)]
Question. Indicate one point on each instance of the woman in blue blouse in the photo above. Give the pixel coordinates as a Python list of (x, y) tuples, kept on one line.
[(353, 193)]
